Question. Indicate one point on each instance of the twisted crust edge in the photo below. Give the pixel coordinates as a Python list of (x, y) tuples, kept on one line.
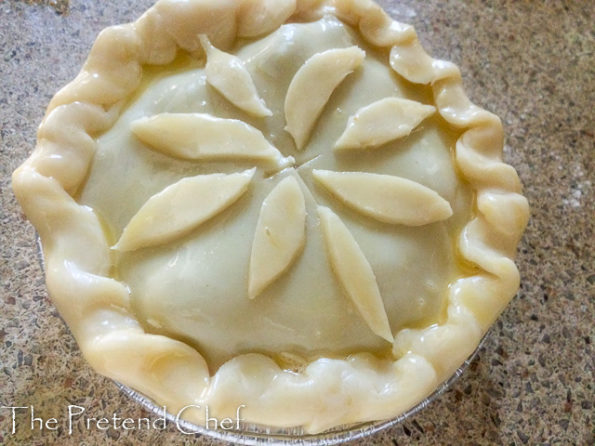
[(328, 392)]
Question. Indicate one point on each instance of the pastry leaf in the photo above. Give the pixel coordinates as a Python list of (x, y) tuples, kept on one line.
[(228, 75), (354, 272), (181, 207), (200, 136), (279, 235), (381, 122), (312, 86), (387, 198)]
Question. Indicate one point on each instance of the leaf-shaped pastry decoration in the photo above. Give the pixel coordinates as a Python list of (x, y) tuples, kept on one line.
[(312, 86), (381, 122), (228, 75), (181, 207), (200, 136), (354, 272), (279, 237), (387, 198)]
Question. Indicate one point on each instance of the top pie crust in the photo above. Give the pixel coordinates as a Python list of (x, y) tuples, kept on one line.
[(285, 204)]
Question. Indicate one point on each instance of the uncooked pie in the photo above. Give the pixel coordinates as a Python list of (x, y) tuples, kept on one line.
[(281, 204)]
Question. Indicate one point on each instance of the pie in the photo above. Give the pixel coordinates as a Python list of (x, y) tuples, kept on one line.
[(281, 204)]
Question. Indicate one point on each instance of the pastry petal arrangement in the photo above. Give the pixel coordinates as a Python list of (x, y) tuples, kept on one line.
[(281, 204)]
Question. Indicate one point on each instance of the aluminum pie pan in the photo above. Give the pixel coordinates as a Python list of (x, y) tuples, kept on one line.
[(256, 434)]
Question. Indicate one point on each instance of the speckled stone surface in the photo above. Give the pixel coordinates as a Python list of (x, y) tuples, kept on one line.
[(532, 63)]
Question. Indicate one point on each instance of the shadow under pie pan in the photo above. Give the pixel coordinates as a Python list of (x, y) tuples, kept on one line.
[(283, 206)]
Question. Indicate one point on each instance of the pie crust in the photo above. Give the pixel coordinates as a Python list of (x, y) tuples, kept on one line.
[(372, 362)]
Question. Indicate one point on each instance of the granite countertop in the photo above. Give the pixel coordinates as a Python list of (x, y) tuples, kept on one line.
[(532, 382)]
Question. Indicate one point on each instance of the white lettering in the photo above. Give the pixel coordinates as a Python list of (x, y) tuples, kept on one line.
[(49, 422), (208, 420), (238, 419), (34, 419), (161, 419), (102, 424), (115, 419), (88, 422), (126, 421), (179, 415), (146, 420), (72, 414), (226, 423), (13, 409)]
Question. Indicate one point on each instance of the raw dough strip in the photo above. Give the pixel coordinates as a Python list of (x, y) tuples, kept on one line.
[(279, 237), (202, 136), (313, 85), (354, 273), (386, 198), (228, 75), (382, 121), (182, 207)]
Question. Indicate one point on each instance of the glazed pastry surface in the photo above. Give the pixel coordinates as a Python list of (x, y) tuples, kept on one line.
[(286, 205), (196, 287)]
